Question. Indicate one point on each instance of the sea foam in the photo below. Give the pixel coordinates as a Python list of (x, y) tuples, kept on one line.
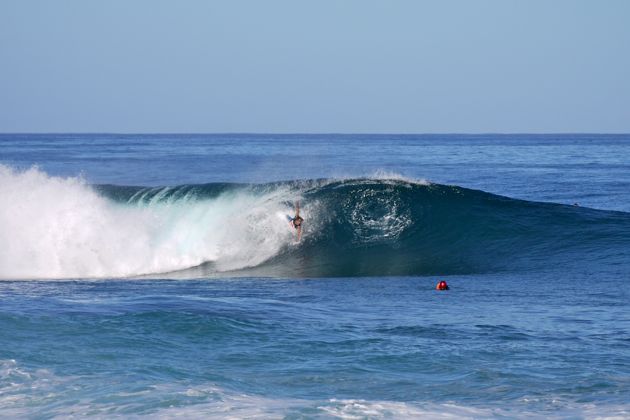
[(55, 227), (25, 393)]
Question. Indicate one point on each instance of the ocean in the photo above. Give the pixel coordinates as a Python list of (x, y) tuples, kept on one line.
[(157, 276)]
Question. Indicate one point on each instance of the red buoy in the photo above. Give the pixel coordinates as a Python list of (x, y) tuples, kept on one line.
[(442, 286)]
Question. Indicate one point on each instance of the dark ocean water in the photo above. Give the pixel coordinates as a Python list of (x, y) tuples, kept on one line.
[(156, 275)]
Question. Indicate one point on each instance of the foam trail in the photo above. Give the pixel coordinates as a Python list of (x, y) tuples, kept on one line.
[(54, 227), (27, 393)]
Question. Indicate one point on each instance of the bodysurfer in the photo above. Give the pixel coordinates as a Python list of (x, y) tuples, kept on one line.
[(296, 222)]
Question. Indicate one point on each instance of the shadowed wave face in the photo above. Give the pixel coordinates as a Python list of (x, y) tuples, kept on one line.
[(384, 227), (64, 228)]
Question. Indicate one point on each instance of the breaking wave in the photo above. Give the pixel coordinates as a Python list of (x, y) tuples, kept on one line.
[(53, 227)]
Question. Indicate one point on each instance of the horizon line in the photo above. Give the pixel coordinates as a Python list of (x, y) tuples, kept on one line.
[(323, 133)]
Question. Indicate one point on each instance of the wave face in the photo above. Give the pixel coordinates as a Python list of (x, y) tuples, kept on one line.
[(64, 228)]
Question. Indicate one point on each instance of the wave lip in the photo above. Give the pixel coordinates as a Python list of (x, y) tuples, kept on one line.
[(64, 228)]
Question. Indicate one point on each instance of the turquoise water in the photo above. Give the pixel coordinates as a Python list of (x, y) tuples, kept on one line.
[(123, 297)]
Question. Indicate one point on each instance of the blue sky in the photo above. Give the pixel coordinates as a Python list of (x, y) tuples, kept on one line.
[(357, 66)]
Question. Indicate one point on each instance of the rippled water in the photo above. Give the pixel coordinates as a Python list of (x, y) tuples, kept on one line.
[(523, 344)]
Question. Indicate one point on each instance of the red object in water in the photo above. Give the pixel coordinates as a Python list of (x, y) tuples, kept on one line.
[(442, 286)]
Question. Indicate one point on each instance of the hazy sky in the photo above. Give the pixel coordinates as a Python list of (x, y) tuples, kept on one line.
[(315, 66)]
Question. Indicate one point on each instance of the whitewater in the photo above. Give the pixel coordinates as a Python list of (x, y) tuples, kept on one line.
[(63, 228), (157, 276)]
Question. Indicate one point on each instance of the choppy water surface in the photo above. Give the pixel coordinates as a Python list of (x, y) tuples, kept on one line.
[(164, 280)]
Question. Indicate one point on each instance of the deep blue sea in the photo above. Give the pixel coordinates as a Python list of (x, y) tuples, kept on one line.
[(158, 276)]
